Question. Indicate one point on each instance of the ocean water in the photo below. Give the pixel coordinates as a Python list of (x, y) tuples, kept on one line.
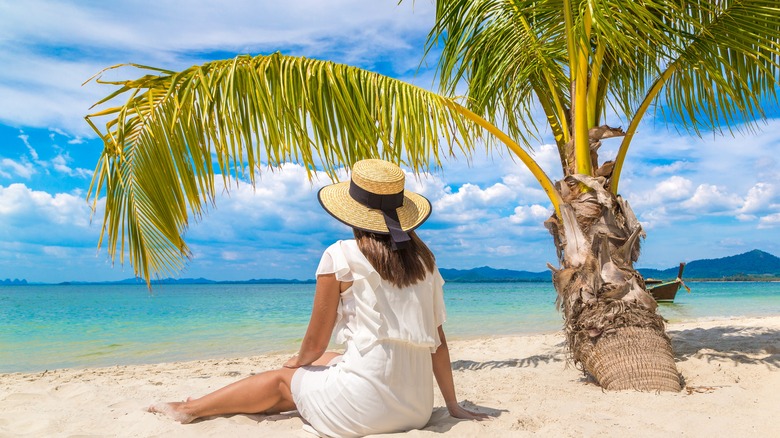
[(49, 327)]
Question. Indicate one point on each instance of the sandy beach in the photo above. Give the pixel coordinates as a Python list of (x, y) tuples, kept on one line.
[(731, 369)]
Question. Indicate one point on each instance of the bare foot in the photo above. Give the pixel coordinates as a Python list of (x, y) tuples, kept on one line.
[(174, 410)]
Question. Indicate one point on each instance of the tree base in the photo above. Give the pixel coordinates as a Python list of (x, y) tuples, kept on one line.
[(632, 358)]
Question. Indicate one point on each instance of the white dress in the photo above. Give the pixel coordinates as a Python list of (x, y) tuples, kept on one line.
[(384, 381)]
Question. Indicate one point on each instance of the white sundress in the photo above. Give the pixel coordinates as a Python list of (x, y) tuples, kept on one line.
[(384, 381)]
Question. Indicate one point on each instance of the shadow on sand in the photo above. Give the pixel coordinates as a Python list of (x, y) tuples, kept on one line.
[(530, 361), (748, 345), (440, 421)]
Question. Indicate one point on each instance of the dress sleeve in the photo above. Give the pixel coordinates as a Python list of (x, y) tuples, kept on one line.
[(333, 261), (437, 304), (439, 311)]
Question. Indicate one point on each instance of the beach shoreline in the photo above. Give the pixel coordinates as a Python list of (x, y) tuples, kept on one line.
[(731, 368)]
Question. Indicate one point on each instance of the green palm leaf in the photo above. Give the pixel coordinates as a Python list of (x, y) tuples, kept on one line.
[(706, 64), (729, 65), (508, 54), (175, 131), (723, 72)]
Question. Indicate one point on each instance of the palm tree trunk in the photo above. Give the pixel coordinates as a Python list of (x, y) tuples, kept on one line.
[(611, 324)]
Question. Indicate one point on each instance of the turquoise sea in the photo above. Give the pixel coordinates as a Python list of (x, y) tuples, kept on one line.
[(61, 326)]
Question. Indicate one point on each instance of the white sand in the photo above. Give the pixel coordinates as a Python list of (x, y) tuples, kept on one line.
[(731, 369)]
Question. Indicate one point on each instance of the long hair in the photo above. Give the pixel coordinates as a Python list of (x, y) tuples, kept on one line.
[(403, 267)]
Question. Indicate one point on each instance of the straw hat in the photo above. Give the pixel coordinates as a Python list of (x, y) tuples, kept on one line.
[(374, 200)]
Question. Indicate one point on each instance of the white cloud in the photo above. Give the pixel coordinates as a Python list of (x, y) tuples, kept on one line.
[(58, 252), (471, 203), (709, 198), (49, 48), (469, 195), (429, 185), (71, 139), (673, 168), (711, 177), (518, 177), (22, 169), (769, 221), (504, 250), (26, 140), (61, 162), (760, 198), (732, 241), (672, 204), (675, 188), (32, 163), (206, 25), (43, 91), (230, 255), (530, 215), (49, 237), (283, 201), (38, 215)]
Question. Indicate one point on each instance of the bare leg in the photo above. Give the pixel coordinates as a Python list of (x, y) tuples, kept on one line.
[(265, 392), (254, 394), (283, 405)]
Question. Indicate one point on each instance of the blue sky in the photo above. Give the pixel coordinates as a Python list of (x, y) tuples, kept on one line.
[(696, 197)]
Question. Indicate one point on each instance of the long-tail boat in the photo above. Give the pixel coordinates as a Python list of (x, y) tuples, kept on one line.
[(665, 291)]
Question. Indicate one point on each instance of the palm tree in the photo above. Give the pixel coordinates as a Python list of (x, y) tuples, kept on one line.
[(703, 64)]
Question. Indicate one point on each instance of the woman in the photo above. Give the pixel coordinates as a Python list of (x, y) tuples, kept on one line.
[(382, 295)]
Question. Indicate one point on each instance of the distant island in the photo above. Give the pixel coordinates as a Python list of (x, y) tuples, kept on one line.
[(754, 265), (14, 282)]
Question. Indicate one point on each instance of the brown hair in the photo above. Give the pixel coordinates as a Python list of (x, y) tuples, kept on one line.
[(403, 267)]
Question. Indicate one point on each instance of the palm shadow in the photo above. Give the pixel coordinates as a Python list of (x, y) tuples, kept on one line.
[(746, 345), (526, 362)]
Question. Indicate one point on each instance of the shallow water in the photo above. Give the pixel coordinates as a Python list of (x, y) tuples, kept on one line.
[(47, 327)]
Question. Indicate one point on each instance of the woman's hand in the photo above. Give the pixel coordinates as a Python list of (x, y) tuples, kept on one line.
[(442, 370), (462, 413), (292, 362)]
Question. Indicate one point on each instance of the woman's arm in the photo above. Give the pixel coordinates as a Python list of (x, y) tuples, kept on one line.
[(323, 318), (442, 370)]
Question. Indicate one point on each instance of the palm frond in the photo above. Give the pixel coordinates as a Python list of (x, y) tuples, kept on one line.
[(729, 68), (507, 54), (706, 64), (165, 144), (725, 73)]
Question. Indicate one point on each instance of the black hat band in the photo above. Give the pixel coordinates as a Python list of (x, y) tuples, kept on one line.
[(387, 204)]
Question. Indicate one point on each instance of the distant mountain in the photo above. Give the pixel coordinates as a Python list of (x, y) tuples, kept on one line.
[(14, 282), (753, 265), (488, 274)]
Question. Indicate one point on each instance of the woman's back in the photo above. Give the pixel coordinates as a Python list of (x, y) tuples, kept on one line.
[(375, 309)]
